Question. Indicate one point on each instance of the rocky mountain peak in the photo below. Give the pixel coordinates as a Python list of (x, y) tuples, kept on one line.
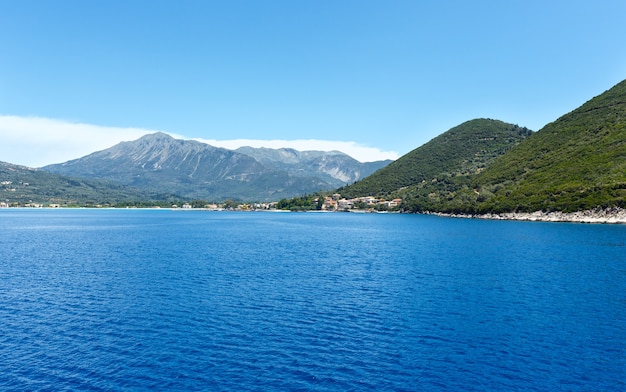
[(190, 168)]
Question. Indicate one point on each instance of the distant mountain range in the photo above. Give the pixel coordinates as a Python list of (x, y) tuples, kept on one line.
[(193, 170), (577, 162), (334, 167)]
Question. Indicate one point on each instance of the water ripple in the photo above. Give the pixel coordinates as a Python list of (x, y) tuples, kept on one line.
[(132, 300)]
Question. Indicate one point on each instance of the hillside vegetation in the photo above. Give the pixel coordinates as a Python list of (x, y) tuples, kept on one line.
[(20, 185), (577, 162), (430, 176)]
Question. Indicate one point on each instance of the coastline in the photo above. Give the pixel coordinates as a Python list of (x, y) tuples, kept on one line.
[(613, 215)]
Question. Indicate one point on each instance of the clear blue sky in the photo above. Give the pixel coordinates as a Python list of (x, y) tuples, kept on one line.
[(385, 74)]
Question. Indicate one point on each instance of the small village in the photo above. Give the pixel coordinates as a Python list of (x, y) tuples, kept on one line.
[(334, 203), (338, 203)]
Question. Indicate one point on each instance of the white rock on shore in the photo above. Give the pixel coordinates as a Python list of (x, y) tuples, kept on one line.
[(600, 215)]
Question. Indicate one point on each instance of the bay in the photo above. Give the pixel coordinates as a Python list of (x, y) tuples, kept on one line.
[(198, 300)]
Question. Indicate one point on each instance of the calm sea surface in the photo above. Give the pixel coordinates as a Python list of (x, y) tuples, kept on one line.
[(195, 300)]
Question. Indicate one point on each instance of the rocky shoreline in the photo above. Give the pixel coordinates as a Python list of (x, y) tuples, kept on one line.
[(601, 215)]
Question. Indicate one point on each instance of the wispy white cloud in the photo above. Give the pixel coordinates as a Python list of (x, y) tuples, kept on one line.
[(37, 141)]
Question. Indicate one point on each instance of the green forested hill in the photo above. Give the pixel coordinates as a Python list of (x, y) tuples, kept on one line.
[(21, 185), (577, 162), (427, 176)]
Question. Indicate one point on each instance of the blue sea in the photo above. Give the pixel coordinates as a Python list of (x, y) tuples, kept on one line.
[(131, 300)]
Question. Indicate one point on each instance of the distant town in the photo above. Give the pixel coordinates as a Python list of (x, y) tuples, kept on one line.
[(331, 203)]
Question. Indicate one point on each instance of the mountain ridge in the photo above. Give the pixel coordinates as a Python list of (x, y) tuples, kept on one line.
[(335, 167), (193, 169)]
